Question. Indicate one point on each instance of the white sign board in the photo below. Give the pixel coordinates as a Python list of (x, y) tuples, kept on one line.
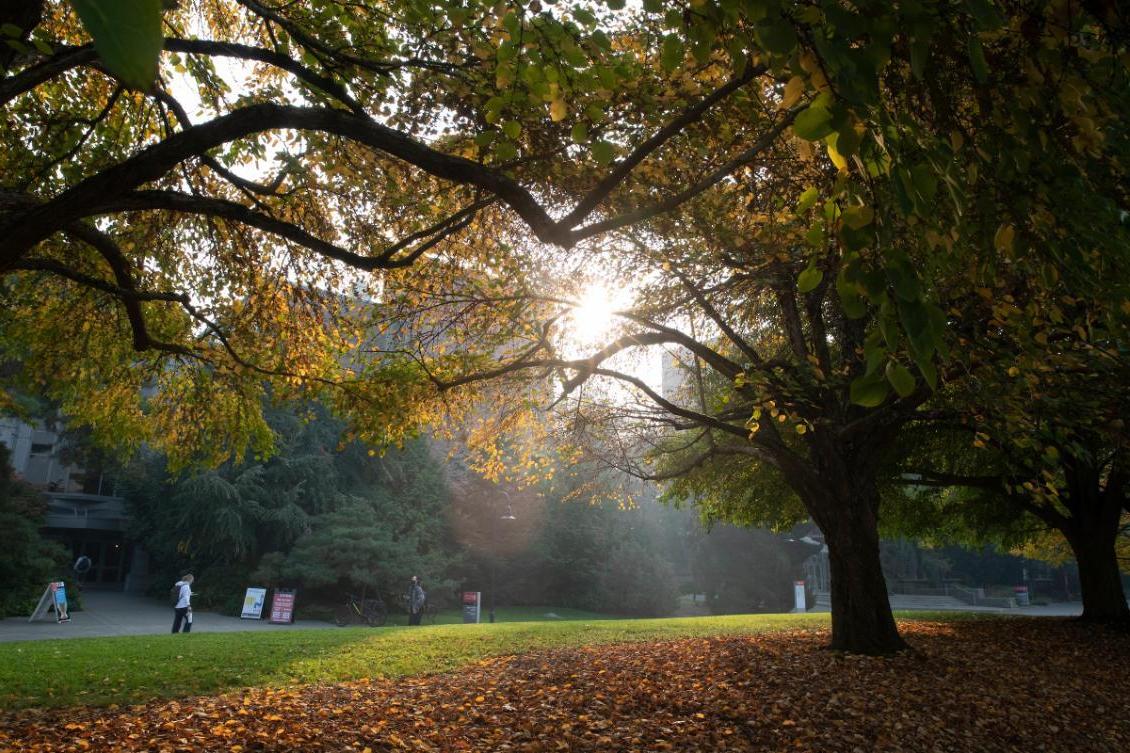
[(253, 603), (55, 595)]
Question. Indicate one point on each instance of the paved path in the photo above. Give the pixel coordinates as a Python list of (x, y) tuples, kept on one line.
[(902, 603), (109, 613)]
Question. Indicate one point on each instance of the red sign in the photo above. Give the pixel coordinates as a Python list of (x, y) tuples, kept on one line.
[(472, 600), (282, 607)]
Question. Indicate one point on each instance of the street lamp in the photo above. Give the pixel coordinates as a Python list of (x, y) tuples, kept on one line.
[(494, 560)]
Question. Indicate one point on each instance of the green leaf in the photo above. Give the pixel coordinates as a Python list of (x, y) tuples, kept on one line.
[(506, 150), (915, 317), (580, 133), (603, 152), (929, 372), (985, 15), (856, 217), (924, 180), (777, 36), (901, 185), (127, 36), (904, 280), (512, 129), (853, 304), (855, 240), (977, 59), (807, 200), (671, 55), (807, 280), (815, 236), (900, 378), (874, 285), (869, 391), (919, 54), (813, 123), (845, 141), (876, 356), (888, 323)]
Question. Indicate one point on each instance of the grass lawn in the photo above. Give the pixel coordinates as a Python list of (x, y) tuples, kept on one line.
[(101, 671)]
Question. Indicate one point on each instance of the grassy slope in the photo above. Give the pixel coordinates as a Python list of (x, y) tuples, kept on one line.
[(101, 671)]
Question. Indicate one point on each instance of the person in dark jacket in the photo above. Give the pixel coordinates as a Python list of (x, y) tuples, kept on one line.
[(416, 598)]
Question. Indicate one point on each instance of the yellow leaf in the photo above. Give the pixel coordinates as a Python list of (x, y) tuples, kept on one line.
[(793, 90), (557, 110), (1002, 241), (837, 158)]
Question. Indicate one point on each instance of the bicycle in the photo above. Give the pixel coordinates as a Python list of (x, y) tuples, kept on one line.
[(371, 612)]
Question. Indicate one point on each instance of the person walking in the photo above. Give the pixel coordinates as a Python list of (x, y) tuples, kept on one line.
[(183, 607), (416, 598)]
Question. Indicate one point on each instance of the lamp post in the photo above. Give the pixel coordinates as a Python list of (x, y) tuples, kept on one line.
[(494, 560)]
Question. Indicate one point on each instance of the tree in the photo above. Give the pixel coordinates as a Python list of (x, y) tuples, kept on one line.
[(1038, 432), (28, 561), (324, 513), (238, 281), (670, 109)]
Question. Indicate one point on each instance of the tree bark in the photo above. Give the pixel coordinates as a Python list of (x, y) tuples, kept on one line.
[(1091, 531), (862, 622), (1104, 599)]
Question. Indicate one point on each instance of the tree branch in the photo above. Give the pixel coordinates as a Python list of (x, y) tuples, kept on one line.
[(690, 115)]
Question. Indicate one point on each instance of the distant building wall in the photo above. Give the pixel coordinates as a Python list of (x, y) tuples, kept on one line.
[(84, 514)]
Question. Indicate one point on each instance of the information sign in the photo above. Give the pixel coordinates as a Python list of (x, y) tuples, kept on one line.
[(282, 606), (253, 603), (55, 595), (472, 606)]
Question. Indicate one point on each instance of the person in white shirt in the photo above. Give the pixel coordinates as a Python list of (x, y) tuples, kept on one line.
[(183, 608)]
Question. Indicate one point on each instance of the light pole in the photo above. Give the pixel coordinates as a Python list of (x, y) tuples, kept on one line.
[(494, 560)]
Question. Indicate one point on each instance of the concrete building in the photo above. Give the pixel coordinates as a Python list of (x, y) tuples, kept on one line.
[(84, 512)]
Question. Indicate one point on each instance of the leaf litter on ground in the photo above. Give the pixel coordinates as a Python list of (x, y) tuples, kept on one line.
[(987, 685)]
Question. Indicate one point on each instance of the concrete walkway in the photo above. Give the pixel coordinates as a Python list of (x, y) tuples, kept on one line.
[(109, 613), (904, 603)]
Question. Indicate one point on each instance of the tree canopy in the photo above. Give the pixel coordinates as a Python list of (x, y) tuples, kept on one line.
[(383, 202)]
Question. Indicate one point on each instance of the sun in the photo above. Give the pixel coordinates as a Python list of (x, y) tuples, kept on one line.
[(592, 321)]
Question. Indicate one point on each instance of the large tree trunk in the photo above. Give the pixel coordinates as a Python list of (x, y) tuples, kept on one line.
[(843, 498), (1104, 599), (839, 491), (862, 622), (1092, 529)]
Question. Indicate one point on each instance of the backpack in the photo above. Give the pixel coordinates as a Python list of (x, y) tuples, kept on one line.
[(174, 596)]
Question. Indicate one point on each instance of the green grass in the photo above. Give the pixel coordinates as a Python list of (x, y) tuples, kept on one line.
[(515, 614), (102, 671)]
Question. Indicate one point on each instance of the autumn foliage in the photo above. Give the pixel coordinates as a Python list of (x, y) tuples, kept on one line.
[(991, 685)]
